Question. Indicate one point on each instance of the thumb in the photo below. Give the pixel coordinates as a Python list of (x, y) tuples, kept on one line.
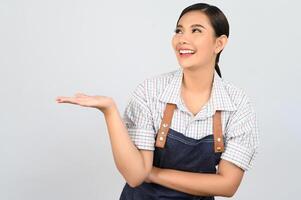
[(79, 94)]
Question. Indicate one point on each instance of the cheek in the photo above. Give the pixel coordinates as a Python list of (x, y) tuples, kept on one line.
[(174, 42), (205, 47), (204, 51)]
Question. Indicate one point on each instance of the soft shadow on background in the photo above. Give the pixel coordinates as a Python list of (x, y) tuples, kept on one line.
[(52, 48)]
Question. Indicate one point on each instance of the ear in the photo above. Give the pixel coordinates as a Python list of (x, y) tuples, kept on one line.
[(220, 42)]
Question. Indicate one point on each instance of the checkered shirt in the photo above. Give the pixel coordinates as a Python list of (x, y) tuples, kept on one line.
[(144, 112)]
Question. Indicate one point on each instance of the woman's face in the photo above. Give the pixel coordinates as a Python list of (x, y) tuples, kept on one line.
[(194, 41)]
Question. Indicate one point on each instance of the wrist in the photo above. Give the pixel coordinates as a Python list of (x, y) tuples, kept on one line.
[(110, 109)]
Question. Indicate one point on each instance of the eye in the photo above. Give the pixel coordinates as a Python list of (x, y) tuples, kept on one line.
[(177, 30), (196, 29)]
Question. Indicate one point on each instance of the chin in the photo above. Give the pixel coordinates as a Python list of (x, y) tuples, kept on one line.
[(186, 65)]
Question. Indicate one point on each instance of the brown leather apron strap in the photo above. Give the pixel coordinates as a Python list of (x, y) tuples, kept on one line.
[(218, 133), (165, 124), (166, 121)]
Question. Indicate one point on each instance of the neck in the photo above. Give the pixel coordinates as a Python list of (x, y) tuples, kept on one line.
[(198, 80)]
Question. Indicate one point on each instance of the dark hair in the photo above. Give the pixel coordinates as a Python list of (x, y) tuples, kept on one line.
[(217, 19)]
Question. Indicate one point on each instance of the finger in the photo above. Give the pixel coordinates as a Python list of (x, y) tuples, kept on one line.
[(67, 100), (79, 94), (59, 98)]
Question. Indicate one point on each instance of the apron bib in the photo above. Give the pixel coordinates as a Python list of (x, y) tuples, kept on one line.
[(174, 150)]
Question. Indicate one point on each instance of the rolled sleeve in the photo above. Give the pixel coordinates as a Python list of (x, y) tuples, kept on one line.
[(242, 137), (138, 119)]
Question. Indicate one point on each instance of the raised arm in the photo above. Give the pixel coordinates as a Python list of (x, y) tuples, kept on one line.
[(133, 164)]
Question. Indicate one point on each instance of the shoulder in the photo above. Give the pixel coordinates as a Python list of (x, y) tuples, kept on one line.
[(238, 95), (245, 108), (160, 79), (154, 85)]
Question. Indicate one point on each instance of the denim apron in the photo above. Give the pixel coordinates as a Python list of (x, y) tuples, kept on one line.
[(176, 151)]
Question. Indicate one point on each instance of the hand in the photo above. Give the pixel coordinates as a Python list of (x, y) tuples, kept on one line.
[(102, 103)]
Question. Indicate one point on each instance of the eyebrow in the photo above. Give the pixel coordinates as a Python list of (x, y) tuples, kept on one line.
[(193, 25)]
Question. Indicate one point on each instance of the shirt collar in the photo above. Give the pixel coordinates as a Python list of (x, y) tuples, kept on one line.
[(219, 99)]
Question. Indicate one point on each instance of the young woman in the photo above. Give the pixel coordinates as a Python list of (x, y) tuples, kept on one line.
[(185, 134)]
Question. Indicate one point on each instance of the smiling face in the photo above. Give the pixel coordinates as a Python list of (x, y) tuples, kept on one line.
[(195, 33)]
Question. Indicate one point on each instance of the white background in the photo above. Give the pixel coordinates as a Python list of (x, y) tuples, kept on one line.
[(59, 47)]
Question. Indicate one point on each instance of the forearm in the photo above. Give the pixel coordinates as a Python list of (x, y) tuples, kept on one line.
[(201, 184), (127, 157)]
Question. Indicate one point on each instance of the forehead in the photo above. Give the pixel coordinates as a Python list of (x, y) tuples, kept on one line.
[(194, 17)]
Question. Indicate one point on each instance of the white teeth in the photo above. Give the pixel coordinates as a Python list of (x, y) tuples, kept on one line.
[(186, 51)]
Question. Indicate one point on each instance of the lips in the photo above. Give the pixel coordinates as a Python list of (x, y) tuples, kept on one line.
[(185, 51), (185, 55)]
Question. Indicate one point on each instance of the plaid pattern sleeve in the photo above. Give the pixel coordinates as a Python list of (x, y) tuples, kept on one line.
[(242, 136), (138, 119), (144, 112)]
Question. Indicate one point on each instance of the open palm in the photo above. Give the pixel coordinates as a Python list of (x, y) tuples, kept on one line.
[(99, 102)]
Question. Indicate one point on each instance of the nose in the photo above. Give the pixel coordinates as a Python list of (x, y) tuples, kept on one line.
[(182, 42), (183, 39)]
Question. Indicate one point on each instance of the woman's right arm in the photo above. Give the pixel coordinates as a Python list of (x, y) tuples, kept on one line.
[(133, 164)]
